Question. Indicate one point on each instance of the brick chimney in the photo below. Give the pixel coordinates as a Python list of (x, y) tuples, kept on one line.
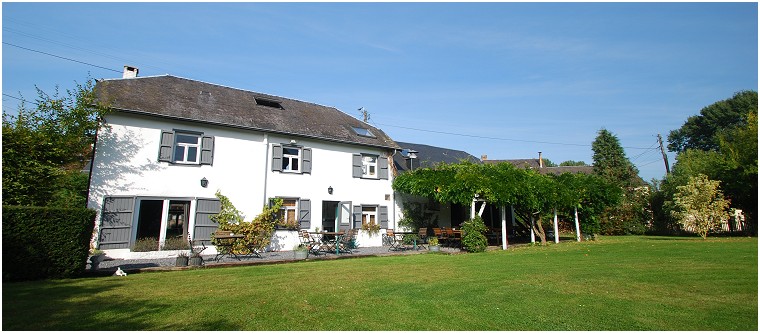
[(484, 157), (130, 72), (540, 161)]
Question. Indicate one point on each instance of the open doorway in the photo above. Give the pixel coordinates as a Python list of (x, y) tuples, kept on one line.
[(329, 215), (159, 228)]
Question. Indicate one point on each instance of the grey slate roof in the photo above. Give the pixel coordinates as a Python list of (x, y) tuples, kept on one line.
[(429, 156), (178, 98)]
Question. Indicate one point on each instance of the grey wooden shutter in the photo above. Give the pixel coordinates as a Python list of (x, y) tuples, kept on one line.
[(116, 223), (276, 158), (357, 166), (383, 216), (166, 148), (304, 213), (204, 226), (306, 160), (357, 217), (383, 166), (207, 150)]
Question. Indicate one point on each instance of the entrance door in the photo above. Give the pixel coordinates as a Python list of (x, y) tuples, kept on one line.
[(149, 224), (344, 215), (329, 215), (177, 221)]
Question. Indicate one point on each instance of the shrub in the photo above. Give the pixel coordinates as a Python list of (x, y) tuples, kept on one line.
[(41, 242), (473, 238), (258, 233), (145, 244), (175, 243)]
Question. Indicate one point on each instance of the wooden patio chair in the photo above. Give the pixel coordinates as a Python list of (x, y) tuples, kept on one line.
[(395, 243), (423, 235)]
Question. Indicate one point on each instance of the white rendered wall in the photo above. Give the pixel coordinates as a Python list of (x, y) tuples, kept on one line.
[(126, 164)]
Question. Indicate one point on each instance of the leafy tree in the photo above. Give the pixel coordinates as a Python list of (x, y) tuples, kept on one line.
[(46, 146), (573, 163), (258, 233), (610, 161), (700, 206), (701, 132)]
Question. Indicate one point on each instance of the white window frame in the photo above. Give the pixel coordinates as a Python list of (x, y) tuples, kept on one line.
[(368, 165), (284, 209), (290, 158), (186, 147), (367, 214)]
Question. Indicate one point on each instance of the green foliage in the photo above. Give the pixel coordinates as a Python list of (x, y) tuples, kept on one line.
[(432, 240), (40, 242), (371, 227), (473, 235), (44, 148), (258, 233), (632, 216), (416, 218), (700, 206), (573, 163), (504, 184), (610, 161), (702, 132), (720, 143)]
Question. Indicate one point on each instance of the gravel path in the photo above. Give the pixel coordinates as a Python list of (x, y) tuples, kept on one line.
[(137, 265)]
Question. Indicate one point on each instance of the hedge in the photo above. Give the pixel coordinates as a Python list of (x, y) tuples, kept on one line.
[(42, 242)]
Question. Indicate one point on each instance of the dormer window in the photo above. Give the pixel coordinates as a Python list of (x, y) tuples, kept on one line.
[(363, 132), (268, 103)]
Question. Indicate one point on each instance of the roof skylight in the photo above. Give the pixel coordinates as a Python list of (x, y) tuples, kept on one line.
[(268, 103), (363, 132)]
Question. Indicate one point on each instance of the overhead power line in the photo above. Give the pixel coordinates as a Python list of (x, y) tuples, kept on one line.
[(60, 57), (495, 138)]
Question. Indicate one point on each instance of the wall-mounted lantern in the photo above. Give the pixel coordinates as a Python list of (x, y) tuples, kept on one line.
[(204, 182), (330, 190)]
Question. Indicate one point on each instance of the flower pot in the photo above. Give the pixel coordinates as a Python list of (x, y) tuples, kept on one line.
[(96, 260), (300, 255), (195, 261), (182, 261), (434, 248)]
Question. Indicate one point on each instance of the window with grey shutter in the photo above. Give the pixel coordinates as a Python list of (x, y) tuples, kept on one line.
[(116, 223), (357, 166), (204, 226), (165, 150), (357, 217), (304, 213), (207, 150), (306, 160), (383, 166), (383, 217), (276, 158)]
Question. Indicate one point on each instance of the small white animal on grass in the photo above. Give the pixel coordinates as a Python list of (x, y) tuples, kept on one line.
[(119, 272)]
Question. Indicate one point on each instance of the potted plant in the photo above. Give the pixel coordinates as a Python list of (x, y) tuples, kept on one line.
[(300, 252), (96, 257), (433, 244), (182, 259), (195, 259)]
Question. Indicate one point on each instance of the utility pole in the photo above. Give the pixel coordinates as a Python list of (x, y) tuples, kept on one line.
[(664, 156), (365, 114)]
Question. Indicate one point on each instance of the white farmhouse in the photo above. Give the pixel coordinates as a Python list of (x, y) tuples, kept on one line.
[(171, 143)]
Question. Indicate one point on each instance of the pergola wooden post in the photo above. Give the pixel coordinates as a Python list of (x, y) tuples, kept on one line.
[(504, 227), (577, 226), (556, 227)]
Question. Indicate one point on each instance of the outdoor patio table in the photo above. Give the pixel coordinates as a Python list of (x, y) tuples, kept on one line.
[(336, 237), (224, 245), (402, 233)]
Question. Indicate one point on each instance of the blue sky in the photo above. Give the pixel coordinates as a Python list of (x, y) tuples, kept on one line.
[(509, 79)]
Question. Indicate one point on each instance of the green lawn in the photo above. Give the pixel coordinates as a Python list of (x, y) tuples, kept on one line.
[(616, 283)]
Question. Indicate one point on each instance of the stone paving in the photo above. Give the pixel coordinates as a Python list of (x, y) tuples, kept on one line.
[(109, 266)]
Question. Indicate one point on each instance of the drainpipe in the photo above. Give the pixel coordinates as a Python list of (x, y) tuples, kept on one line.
[(266, 167)]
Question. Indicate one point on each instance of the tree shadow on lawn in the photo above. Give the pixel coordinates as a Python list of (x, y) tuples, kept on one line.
[(65, 305)]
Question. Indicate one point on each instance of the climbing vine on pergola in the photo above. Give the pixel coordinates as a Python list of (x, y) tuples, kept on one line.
[(526, 190)]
